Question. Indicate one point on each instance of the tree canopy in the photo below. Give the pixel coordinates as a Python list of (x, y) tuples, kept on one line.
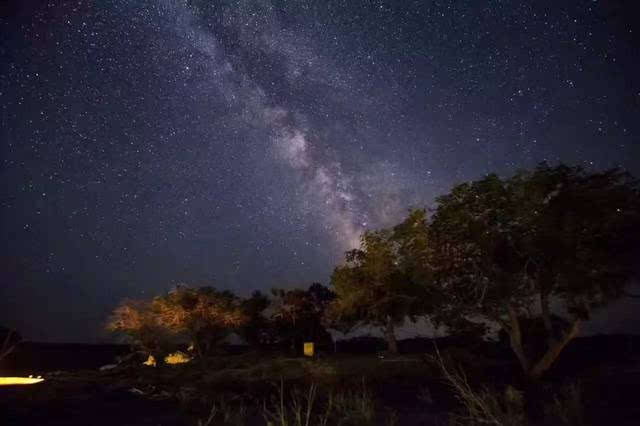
[(297, 314), (204, 315), (539, 250), (557, 237), (376, 286)]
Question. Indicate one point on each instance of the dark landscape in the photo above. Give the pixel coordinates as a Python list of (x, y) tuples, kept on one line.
[(407, 385), (320, 212)]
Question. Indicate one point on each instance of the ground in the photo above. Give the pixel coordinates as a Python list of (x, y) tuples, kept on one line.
[(401, 390)]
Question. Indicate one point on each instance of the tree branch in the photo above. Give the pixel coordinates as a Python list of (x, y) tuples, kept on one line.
[(515, 334), (554, 350), (546, 316)]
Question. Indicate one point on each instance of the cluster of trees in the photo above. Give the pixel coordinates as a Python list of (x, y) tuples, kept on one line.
[(205, 316), (555, 242), (543, 247)]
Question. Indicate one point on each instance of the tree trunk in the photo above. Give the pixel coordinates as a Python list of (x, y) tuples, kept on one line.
[(554, 351), (546, 314), (515, 335), (389, 333)]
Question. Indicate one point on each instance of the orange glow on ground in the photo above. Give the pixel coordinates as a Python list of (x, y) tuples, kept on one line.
[(6, 381)]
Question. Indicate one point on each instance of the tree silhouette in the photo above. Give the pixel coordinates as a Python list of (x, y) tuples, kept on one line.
[(507, 249)]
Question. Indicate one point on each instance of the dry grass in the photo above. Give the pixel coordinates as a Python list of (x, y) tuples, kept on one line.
[(298, 410), (225, 413), (484, 406), (304, 409)]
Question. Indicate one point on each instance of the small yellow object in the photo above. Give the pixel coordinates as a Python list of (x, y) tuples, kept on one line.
[(308, 349), (151, 361), (177, 358), (6, 381)]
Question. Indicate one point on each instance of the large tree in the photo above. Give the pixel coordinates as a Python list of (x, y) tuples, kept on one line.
[(297, 314), (206, 315), (554, 239), (257, 325), (136, 319), (374, 287), (203, 315)]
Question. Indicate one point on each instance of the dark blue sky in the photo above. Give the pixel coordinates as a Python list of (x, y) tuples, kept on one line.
[(248, 143)]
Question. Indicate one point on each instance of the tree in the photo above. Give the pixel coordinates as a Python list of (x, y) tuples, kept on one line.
[(298, 314), (509, 249), (206, 315), (136, 319), (336, 319), (374, 287), (256, 325)]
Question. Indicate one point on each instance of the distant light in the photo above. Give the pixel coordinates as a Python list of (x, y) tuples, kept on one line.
[(8, 381), (308, 349), (151, 361), (177, 358)]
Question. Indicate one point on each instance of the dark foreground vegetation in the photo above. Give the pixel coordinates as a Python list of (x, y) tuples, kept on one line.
[(530, 256), (593, 382)]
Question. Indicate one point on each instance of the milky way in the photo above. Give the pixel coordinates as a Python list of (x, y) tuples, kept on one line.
[(326, 189), (248, 144)]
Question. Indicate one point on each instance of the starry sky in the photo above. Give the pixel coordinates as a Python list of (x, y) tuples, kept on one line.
[(247, 144)]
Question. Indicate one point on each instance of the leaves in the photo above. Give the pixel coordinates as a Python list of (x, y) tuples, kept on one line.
[(205, 315)]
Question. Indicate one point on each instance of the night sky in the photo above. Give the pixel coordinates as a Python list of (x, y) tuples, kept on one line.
[(248, 144)]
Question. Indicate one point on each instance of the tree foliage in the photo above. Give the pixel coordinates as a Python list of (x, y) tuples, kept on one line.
[(136, 319), (554, 238), (297, 314), (376, 284), (204, 315), (256, 328)]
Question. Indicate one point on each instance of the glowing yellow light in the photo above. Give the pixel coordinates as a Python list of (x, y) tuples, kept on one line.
[(151, 361), (6, 381), (177, 358), (308, 349)]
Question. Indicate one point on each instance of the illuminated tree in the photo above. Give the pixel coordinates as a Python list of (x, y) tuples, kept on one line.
[(374, 287), (205, 315), (137, 320)]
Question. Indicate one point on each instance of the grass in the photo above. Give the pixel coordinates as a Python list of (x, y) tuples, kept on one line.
[(252, 368), (485, 406), (357, 390), (311, 405)]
